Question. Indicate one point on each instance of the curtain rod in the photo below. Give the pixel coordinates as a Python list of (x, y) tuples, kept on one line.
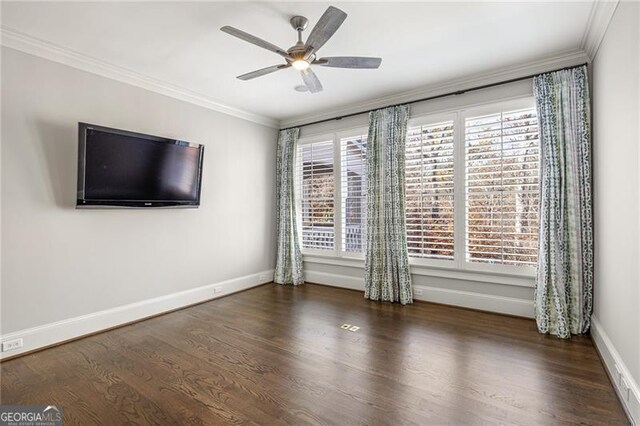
[(430, 98)]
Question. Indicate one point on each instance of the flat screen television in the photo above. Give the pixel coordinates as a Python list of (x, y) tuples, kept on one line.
[(118, 168)]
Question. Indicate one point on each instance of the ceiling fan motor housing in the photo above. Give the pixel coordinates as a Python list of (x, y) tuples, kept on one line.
[(299, 50), (299, 23)]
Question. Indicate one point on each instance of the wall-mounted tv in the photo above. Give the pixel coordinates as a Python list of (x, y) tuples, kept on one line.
[(118, 168)]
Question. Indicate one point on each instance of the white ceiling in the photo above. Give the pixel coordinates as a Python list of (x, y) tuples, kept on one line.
[(421, 44)]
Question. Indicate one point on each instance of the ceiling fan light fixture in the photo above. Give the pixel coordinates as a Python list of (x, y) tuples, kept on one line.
[(300, 64)]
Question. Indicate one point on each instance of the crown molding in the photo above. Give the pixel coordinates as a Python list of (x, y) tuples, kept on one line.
[(19, 41), (599, 18), (566, 59)]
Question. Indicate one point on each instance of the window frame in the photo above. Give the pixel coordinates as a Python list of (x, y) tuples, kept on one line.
[(428, 120), (487, 109), (344, 134), (336, 139), (298, 200)]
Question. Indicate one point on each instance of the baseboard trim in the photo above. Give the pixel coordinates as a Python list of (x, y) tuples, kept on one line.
[(465, 299), (55, 333), (611, 358)]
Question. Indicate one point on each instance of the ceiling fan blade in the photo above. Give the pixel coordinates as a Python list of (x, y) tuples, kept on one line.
[(255, 40), (328, 24), (360, 62), (263, 71), (311, 81)]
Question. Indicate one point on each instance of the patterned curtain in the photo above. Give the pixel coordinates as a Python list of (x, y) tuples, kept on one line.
[(289, 258), (387, 274), (564, 287)]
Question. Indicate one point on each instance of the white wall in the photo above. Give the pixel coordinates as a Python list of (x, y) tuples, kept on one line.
[(59, 262), (616, 115)]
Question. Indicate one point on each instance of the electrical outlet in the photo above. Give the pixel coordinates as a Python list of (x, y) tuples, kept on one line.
[(217, 289), (11, 345), (618, 373), (625, 388)]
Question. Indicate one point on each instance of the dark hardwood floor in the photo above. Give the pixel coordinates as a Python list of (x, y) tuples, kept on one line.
[(276, 355)]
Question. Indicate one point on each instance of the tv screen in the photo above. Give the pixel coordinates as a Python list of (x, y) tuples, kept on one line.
[(118, 168)]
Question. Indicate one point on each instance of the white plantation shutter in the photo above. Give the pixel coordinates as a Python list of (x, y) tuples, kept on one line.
[(353, 155), (502, 156), (490, 190), (316, 194), (430, 191)]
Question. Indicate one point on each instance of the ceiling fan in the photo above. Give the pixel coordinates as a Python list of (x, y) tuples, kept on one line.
[(302, 55)]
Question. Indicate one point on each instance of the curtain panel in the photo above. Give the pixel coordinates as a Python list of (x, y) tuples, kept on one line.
[(289, 257), (387, 276), (564, 284)]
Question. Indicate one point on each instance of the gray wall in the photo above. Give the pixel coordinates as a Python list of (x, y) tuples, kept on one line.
[(616, 113), (58, 262)]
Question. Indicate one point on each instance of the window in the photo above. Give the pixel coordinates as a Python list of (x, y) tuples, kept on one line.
[(429, 177), (472, 188), (502, 155), (471, 181), (353, 155), (316, 188), (333, 200)]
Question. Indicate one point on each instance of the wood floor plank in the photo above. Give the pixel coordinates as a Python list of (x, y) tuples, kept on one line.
[(276, 355), (230, 353)]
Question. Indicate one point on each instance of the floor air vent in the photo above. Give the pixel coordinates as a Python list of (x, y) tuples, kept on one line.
[(349, 327)]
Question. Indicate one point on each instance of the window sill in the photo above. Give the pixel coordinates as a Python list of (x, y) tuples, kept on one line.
[(526, 279)]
